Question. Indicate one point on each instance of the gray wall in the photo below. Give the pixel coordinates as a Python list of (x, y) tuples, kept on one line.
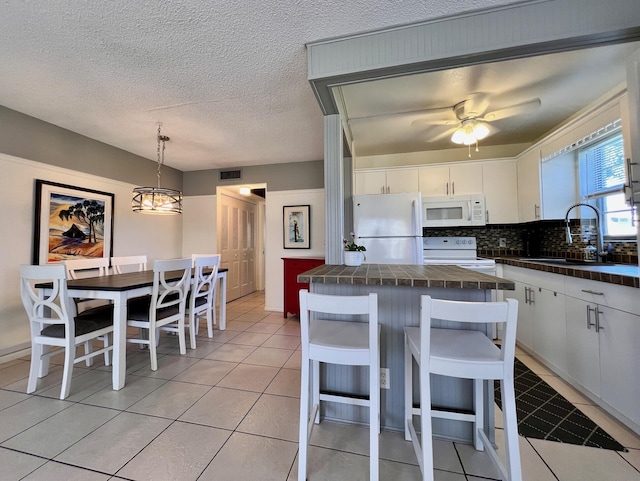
[(291, 176), (33, 139), (30, 138)]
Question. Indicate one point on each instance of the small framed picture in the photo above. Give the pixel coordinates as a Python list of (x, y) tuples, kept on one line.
[(296, 226)]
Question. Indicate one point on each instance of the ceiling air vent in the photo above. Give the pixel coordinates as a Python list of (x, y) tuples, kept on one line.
[(231, 174)]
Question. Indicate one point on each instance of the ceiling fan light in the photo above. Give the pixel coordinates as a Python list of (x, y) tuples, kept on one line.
[(480, 131), (458, 136)]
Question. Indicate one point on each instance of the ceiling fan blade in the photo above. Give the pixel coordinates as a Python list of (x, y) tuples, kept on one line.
[(424, 123), (437, 112), (474, 105), (518, 109), (442, 135)]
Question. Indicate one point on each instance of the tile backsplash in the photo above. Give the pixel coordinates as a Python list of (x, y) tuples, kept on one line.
[(545, 238)]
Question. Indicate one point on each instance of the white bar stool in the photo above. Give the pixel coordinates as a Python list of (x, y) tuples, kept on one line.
[(338, 342), (465, 354)]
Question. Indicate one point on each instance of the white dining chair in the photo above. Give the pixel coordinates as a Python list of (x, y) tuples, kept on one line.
[(91, 308), (213, 319), (166, 305), (52, 324), (121, 264), (466, 354), (348, 342), (201, 300)]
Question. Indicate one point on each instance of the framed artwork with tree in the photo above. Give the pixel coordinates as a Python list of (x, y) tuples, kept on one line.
[(71, 223)]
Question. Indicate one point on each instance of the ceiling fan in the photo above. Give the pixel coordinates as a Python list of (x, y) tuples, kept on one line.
[(469, 120)]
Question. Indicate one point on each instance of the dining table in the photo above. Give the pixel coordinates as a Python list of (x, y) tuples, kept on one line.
[(118, 289)]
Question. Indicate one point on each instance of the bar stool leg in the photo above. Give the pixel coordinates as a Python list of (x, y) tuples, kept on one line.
[(478, 391), (510, 421), (304, 421), (408, 390), (374, 419)]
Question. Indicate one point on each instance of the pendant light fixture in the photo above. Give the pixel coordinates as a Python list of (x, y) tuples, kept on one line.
[(157, 200)]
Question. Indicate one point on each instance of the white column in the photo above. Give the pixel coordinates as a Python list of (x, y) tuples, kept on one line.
[(333, 189)]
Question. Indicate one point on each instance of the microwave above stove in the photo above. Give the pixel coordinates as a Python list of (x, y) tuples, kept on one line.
[(455, 211)]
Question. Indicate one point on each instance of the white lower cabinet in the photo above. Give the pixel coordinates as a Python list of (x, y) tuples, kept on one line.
[(619, 338), (549, 328), (583, 352), (522, 294), (588, 332)]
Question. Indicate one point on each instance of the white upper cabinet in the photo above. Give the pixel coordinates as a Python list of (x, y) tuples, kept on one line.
[(529, 186), (392, 181), (464, 178), (500, 182)]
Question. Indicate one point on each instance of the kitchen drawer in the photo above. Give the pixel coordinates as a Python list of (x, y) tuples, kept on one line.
[(614, 296), (546, 280)]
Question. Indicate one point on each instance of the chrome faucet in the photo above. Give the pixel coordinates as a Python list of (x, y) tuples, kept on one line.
[(602, 252)]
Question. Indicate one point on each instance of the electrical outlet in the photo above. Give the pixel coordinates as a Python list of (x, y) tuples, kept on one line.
[(503, 242), (385, 382)]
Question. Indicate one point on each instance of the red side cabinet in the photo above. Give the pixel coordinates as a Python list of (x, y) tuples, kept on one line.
[(292, 267)]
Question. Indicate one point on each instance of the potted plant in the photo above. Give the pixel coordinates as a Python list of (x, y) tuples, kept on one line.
[(353, 253)]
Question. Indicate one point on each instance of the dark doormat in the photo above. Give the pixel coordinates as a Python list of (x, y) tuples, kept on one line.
[(545, 414)]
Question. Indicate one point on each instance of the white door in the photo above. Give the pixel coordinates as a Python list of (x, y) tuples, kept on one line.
[(237, 245)]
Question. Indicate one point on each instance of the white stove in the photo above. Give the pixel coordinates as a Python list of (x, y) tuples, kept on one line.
[(457, 251)]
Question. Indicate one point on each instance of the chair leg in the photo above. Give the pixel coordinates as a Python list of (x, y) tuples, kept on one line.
[(478, 401), (425, 424), (106, 339), (315, 388), (510, 421), (67, 370), (194, 321), (408, 389), (181, 337), (88, 349), (34, 369), (374, 419), (303, 437), (153, 351)]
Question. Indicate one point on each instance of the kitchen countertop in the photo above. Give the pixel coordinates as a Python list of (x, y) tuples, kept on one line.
[(623, 274), (450, 277)]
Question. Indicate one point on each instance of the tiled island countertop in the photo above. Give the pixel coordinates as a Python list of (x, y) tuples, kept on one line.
[(623, 274), (448, 277)]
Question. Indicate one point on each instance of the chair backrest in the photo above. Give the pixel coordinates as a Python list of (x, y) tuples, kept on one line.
[(171, 284), (362, 308), (130, 264), (91, 266), (54, 308), (504, 312), (204, 280), (215, 256)]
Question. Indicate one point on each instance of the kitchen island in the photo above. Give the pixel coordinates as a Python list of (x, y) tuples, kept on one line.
[(399, 288)]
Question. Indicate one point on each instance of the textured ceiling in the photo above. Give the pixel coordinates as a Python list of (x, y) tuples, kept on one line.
[(228, 80)]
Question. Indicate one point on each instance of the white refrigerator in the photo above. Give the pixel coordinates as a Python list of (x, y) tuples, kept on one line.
[(390, 227)]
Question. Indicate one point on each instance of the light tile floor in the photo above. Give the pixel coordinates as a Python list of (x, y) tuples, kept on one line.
[(229, 411)]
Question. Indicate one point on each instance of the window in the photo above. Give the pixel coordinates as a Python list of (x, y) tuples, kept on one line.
[(603, 177)]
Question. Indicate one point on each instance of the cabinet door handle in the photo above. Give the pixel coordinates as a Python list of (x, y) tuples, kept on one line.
[(598, 326), (486, 216), (526, 295), (447, 188), (532, 296), (536, 211), (595, 293), (453, 188), (589, 323), (382, 190), (388, 189)]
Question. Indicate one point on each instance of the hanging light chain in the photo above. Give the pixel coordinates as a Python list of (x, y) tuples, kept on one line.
[(161, 140)]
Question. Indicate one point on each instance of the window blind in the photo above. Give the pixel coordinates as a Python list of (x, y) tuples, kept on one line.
[(604, 167)]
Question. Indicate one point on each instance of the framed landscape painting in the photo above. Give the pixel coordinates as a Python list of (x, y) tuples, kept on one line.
[(71, 223), (296, 226)]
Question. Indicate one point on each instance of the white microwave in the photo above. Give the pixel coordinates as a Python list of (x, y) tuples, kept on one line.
[(455, 211)]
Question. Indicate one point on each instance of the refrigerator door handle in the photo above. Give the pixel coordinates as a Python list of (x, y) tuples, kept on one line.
[(417, 222)]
